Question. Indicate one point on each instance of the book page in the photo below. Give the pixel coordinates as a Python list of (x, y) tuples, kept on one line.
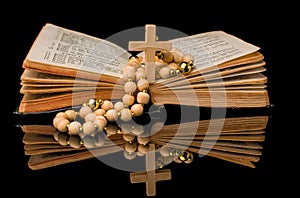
[(70, 49), (213, 48)]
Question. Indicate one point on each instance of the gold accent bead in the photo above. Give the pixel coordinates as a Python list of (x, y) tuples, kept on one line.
[(159, 164), (178, 152), (185, 68), (177, 72), (159, 54), (100, 102), (186, 156), (191, 63), (92, 102), (172, 152), (172, 72), (189, 159), (160, 159), (133, 57)]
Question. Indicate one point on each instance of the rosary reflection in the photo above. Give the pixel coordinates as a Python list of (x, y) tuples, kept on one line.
[(239, 141)]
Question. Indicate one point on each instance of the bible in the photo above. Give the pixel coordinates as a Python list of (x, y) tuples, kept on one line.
[(64, 68)]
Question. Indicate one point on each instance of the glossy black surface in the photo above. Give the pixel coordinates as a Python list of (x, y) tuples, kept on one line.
[(260, 25)]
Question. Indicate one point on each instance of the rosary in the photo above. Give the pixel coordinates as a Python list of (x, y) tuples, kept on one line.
[(97, 120)]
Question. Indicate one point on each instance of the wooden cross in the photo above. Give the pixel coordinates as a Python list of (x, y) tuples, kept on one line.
[(150, 47), (151, 176)]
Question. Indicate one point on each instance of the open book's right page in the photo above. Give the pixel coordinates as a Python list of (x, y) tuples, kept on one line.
[(225, 68), (213, 48)]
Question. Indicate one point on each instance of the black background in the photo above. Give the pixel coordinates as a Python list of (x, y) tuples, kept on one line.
[(269, 26)]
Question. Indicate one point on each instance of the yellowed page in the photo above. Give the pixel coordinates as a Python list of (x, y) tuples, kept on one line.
[(213, 48), (66, 48)]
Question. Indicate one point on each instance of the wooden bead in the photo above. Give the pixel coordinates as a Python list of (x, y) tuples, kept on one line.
[(118, 106), (129, 69), (138, 153), (157, 126), (143, 84), (126, 128), (75, 141), (167, 159), (125, 115), (164, 72), (130, 147), (111, 129), (141, 69), (188, 58), (62, 125), (167, 56), (63, 139), (159, 64), (164, 151), (100, 121), (129, 75), (56, 120), (62, 114), (128, 99), (111, 115), (107, 105), (130, 87), (90, 117), (56, 134), (157, 75), (88, 128), (140, 75), (128, 137), (100, 139), (84, 111), (173, 65), (143, 140), (134, 62), (100, 112), (143, 98), (137, 130), (137, 109), (143, 148), (178, 55), (74, 128), (71, 114), (129, 156), (89, 141)]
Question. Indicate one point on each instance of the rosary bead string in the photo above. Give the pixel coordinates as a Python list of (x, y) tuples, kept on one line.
[(97, 119)]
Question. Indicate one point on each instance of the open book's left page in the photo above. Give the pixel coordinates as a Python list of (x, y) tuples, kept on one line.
[(62, 51)]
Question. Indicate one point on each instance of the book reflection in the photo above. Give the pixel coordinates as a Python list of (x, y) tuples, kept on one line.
[(239, 140)]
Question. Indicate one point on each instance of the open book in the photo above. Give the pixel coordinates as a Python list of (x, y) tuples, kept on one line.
[(64, 68), (239, 141)]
